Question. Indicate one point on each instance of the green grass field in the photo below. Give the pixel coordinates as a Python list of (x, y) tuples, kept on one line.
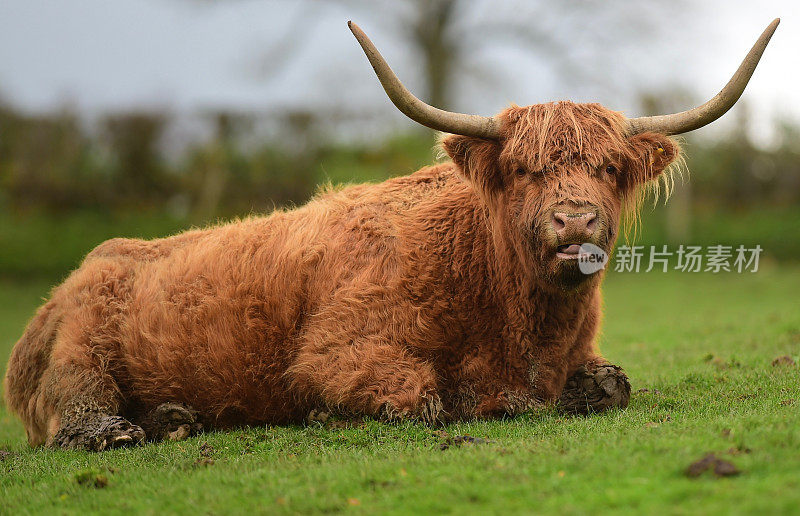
[(701, 344)]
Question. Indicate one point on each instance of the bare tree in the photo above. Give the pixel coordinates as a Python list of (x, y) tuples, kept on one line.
[(451, 36)]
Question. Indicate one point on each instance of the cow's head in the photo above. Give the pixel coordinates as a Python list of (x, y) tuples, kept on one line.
[(559, 175)]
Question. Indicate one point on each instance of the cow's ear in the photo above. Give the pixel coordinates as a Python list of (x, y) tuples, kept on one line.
[(652, 153), (477, 160)]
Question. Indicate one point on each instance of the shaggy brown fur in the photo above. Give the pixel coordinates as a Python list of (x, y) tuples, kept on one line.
[(433, 296)]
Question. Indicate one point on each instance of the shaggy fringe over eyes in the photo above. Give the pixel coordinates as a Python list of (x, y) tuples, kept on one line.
[(565, 133)]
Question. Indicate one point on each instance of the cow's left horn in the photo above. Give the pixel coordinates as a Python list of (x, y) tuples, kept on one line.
[(696, 118), (415, 109)]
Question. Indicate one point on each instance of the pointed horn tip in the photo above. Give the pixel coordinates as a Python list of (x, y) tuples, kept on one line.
[(770, 30), (357, 32), (773, 25)]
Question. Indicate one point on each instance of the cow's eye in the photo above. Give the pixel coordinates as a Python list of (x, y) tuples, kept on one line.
[(521, 172), (611, 169)]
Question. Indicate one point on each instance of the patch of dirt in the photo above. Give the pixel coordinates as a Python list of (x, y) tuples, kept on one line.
[(206, 452), (738, 450), (784, 360), (710, 462), (249, 443), (789, 402), (5, 454), (345, 423), (447, 441), (334, 421)]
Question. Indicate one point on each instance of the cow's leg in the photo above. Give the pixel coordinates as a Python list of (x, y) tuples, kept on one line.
[(78, 397), (366, 376), (59, 380), (595, 386), (81, 402), (589, 383), (82, 409)]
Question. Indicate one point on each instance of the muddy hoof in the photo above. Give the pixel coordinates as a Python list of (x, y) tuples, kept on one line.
[(98, 433), (595, 389), (171, 421), (428, 411)]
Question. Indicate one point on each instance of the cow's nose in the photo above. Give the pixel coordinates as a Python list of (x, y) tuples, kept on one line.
[(567, 224)]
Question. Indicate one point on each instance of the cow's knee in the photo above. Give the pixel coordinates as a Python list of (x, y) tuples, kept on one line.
[(379, 380)]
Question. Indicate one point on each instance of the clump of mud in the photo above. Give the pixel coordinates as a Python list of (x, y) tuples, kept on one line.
[(92, 478), (784, 360), (447, 441), (206, 455), (331, 420), (710, 462)]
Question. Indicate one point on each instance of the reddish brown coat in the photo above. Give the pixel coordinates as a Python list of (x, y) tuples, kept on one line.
[(435, 290)]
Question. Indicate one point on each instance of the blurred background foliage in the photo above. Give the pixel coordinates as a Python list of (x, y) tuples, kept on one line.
[(64, 188), (69, 181)]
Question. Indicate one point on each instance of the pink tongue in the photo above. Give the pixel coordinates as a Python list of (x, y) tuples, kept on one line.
[(571, 249)]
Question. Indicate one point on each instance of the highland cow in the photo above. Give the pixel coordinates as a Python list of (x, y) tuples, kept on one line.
[(449, 294)]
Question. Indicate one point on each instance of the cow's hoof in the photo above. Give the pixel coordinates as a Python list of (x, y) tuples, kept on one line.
[(505, 403), (98, 433), (595, 389), (320, 416), (427, 409), (171, 421)]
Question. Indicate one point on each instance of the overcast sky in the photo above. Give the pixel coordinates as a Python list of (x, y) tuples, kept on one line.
[(183, 55)]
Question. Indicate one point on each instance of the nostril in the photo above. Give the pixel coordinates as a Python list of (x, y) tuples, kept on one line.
[(591, 222), (559, 221)]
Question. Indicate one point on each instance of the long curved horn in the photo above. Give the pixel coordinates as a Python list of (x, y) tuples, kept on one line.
[(696, 118), (415, 109)]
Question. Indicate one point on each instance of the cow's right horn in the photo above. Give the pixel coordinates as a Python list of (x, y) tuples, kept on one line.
[(415, 109), (696, 118)]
